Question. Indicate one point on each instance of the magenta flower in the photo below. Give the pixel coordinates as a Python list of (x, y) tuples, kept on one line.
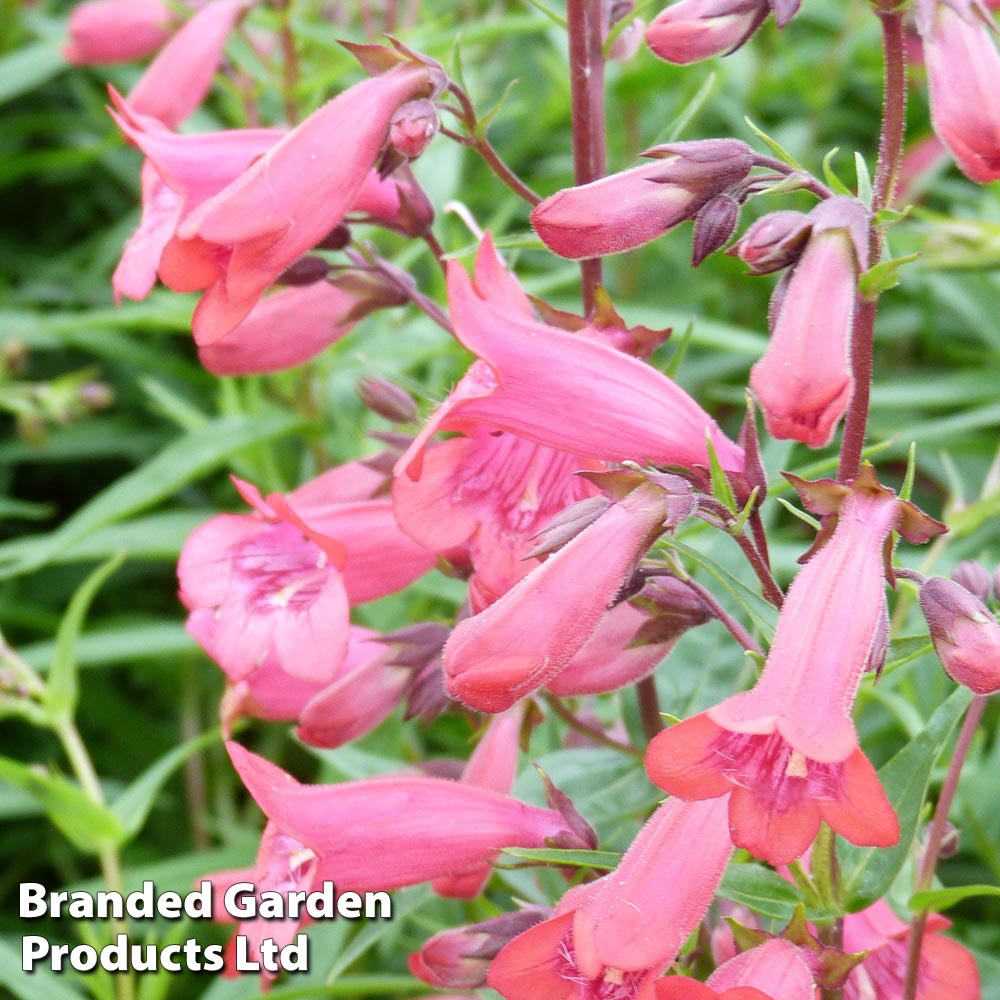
[(692, 30), (613, 937), (532, 633), (947, 971), (102, 32), (388, 832), (626, 210), (804, 381), (965, 634), (235, 244), (787, 749), (963, 71), (771, 971), (564, 391), (177, 81)]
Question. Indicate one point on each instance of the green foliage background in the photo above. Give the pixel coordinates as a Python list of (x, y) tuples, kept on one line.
[(138, 476)]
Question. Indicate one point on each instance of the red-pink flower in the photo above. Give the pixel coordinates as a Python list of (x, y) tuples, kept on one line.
[(626, 210), (178, 79), (787, 749), (612, 937), (692, 30), (235, 244), (963, 71), (771, 971), (946, 972), (522, 641), (804, 381), (561, 390), (102, 32)]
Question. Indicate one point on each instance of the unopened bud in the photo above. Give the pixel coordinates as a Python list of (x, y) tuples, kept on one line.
[(972, 575), (305, 271), (628, 41), (966, 636), (426, 698), (713, 226), (950, 842), (774, 241), (412, 128), (337, 238), (579, 833), (461, 957), (416, 645), (693, 30), (387, 399), (566, 525)]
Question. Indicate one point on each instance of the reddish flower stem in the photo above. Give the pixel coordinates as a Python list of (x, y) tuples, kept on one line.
[(889, 156), (649, 707), (289, 65), (928, 861), (809, 183), (586, 63), (738, 632), (591, 732)]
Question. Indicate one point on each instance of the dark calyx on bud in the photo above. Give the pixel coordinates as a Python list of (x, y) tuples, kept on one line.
[(674, 608), (972, 575), (305, 271), (773, 242), (713, 226), (387, 399), (566, 525), (338, 238)]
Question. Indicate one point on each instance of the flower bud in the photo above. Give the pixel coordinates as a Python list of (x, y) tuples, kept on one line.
[(461, 957), (387, 399), (773, 242), (966, 636), (971, 574), (693, 30), (713, 226), (103, 32), (568, 524), (338, 238), (305, 271), (412, 128)]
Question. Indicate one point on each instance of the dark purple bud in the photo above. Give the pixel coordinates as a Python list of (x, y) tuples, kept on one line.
[(387, 399), (337, 238), (305, 271), (583, 834), (972, 575), (774, 241), (426, 698), (674, 608), (713, 226), (416, 645)]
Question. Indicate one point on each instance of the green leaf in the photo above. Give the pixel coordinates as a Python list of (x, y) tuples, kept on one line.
[(775, 147), (513, 241), (484, 122), (883, 276), (132, 806), (760, 889), (555, 18), (721, 489), (906, 490), (86, 824), (938, 900), (30, 67), (832, 180), (62, 689), (799, 513), (40, 982), (864, 179), (868, 872), (604, 861), (674, 364), (182, 461), (676, 128)]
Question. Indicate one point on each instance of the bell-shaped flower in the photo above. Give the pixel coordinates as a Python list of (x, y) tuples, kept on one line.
[(947, 971), (177, 81), (804, 381), (963, 72), (626, 210), (294, 324), (236, 244), (531, 634), (493, 765), (771, 971), (278, 582), (566, 392), (388, 832), (787, 749), (965, 634), (613, 937), (103, 32), (692, 30)]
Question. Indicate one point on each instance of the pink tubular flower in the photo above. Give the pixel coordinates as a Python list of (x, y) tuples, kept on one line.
[(235, 244), (804, 381), (277, 583), (561, 390), (771, 970), (385, 833), (787, 749), (963, 71), (178, 79), (533, 632), (102, 32), (965, 634), (612, 937), (693, 30), (628, 209), (947, 971), (294, 324)]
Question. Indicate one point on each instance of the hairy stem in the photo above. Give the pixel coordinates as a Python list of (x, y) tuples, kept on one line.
[(649, 707), (591, 732), (809, 183), (929, 858), (736, 630), (586, 61)]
